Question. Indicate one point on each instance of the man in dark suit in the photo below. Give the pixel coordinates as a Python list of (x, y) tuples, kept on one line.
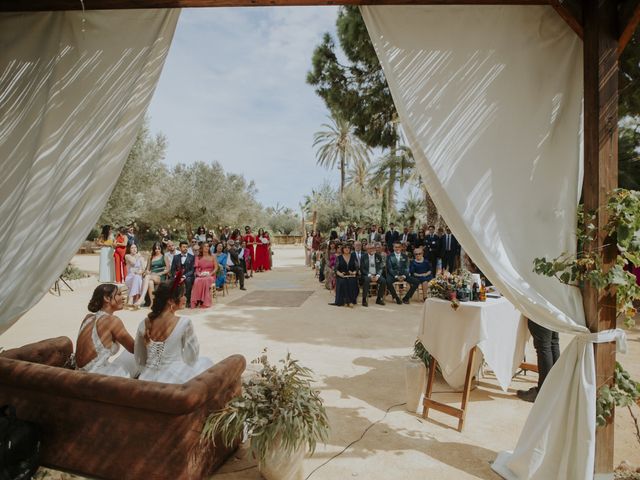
[(236, 268), (372, 267), (391, 237), (450, 251), (432, 247), (398, 271), (186, 263)]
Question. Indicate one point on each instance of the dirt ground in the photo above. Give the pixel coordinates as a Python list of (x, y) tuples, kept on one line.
[(358, 356)]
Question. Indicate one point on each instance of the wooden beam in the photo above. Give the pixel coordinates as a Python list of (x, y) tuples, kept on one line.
[(600, 177), (571, 12), (53, 5), (629, 19)]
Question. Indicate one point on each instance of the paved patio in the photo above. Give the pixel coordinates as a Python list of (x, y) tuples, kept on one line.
[(358, 356)]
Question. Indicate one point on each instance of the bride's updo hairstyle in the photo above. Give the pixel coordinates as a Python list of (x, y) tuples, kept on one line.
[(108, 290), (167, 291)]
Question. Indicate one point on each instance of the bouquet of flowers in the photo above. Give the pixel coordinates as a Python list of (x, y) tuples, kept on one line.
[(446, 285)]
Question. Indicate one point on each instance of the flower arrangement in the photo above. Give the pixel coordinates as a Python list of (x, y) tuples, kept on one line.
[(278, 408), (446, 285)]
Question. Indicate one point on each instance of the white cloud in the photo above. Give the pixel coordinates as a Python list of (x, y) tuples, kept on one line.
[(234, 90)]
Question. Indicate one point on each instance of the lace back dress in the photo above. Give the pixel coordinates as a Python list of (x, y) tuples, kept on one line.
[(174, 360)]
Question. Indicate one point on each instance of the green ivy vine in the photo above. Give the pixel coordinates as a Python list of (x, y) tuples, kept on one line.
[(623, 228)]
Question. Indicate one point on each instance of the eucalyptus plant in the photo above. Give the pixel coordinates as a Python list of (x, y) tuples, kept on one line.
[(278, 408)]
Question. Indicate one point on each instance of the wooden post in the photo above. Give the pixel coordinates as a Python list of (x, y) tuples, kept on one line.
[(600, 177)]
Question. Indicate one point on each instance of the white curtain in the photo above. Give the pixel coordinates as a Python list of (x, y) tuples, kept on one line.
[(74, 88), (490, 99)]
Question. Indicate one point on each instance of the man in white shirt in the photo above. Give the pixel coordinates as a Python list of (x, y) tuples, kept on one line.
[(371, 270)]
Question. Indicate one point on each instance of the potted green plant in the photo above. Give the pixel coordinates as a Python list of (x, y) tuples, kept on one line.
[(279, 413)]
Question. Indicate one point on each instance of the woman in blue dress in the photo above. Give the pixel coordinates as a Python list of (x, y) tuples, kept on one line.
[(420, 268), (222, 258)]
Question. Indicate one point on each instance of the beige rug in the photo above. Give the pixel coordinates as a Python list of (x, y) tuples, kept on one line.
[(273, 298)]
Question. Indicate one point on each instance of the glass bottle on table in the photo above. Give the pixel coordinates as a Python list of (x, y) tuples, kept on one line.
[(482, 294)]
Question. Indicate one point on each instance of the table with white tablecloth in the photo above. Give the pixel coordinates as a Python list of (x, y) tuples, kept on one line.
[(495, 327)]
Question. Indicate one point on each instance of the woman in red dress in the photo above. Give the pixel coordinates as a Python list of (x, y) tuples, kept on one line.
[(261, 262), (251, 242), (120, 245)]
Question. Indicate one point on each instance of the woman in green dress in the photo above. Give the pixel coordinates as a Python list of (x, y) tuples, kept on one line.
[(155, 273)]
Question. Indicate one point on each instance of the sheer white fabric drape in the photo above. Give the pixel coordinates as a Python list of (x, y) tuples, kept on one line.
[(490, 98), (74, 88)]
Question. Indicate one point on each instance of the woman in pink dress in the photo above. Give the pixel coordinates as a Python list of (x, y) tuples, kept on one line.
[(261, 261), (205, 276)]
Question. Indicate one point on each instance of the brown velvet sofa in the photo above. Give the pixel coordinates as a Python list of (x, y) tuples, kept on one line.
[(117, 428)]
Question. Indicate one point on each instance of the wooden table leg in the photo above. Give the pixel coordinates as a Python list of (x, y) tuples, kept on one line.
[(459, 413), (430, 379), (467, 389)]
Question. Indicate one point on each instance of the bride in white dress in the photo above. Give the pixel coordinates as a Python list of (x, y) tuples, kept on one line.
[(166, 347), (101, 335)]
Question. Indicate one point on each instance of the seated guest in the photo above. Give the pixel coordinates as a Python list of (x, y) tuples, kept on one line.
[(185, 264), (380, 251), (166, 347), (372, 269), (420, 268), (206, 267), (135, 269), (169, 254), (234, 264), (346, 271), (398, 271), (330, 265), (155, 273), (201, 234), (222, 258), (101, 335)]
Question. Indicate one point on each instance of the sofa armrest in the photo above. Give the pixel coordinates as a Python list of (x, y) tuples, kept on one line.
[(221, 388), (126, 392), (53, 351)]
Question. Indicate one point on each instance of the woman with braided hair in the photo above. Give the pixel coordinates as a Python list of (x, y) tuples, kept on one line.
[(166, 347)]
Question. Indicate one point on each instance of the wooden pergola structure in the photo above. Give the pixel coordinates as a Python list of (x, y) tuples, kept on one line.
[(605, 26)]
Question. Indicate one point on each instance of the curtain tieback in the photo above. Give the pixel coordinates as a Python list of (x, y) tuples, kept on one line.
[(614, 335)]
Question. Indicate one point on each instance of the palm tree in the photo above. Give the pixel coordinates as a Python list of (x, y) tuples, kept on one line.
[(338, 144), (359, 175), (413, 209)]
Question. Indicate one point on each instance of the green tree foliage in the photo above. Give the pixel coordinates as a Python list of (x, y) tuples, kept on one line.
[(357, 91), (628, 159), (140, 184), (181, 198), (203, 194), (353, 207), (338, 145), (282, 220), (413, 211)]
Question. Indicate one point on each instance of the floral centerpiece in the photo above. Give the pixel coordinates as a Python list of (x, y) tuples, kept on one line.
[(446, 285)]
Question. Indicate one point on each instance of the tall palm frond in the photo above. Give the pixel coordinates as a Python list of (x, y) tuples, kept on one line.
[(338, 145)]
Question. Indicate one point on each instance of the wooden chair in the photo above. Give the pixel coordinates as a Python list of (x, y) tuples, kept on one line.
[(231, 279), (401, 288), (373, 288)]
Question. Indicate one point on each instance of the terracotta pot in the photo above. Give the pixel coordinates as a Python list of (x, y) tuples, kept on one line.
[(415, 375), (281, 465)]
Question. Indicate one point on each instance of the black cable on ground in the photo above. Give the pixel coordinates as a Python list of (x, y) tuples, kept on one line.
[(355, 441)]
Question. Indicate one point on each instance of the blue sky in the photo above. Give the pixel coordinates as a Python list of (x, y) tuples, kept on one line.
[(233, 90)]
